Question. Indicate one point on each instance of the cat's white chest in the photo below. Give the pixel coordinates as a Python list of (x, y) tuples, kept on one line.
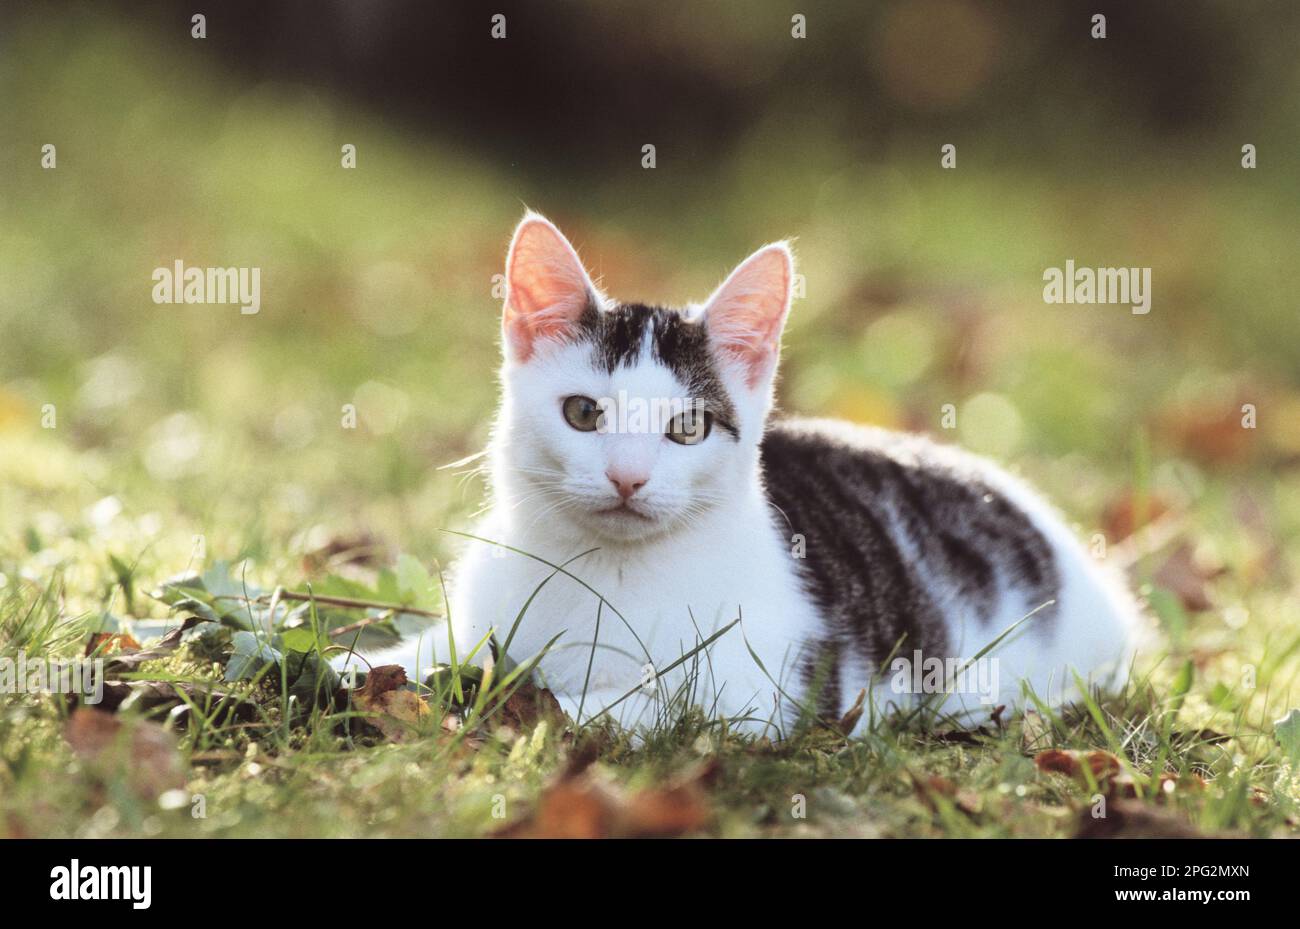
[(634, 621)]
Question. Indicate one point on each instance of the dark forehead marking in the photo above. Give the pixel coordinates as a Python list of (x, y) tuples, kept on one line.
[(681, 345)]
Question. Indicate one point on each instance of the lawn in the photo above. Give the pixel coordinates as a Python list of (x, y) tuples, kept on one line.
[(166, 462)]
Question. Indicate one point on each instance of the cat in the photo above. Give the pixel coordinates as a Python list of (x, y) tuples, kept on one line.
[(642, 501)]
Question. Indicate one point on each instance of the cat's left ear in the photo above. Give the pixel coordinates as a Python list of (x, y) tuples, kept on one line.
[(745, 315)]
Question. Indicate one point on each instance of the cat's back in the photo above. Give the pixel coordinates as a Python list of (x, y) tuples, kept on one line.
[(863, 459), (816, 468), (909, 542), (903, 536)]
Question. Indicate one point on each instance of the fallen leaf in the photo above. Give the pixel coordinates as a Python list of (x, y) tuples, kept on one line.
[(576, 809), (1188, 576), (937, 783), (397, 712), (1203, 656), (528, 705), (1070, 762), (1057, 761), (1287, 732), (1102, 764), (142, 753), (670, 811), (116, 664), (584, 754), (1209, 431), (1128, 513), (850, 719), (107, 643), (582, 806), (968, 801)]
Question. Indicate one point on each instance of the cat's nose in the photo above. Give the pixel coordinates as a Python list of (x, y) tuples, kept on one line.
[(625, 484)]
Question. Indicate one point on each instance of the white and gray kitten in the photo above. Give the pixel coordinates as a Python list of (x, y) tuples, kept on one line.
[(855, 558)]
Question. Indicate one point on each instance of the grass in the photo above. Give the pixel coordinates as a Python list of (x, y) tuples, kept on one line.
[(140, 442), (295, 769)]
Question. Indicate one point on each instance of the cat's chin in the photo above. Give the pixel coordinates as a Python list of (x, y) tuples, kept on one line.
[(621, 524)]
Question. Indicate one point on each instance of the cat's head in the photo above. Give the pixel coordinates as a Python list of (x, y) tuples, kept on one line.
[(627, 420)]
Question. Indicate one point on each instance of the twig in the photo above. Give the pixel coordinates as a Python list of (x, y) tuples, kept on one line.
[(351, 602), (361, 623)]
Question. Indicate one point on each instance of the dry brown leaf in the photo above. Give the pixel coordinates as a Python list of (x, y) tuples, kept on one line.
[(850, 719), (141, 752), (577, 809), (383, 679), (663, 812), (1102, 764), (968, 801), (1188, 577), (1209, 431), (1129, 512), (397, 712), (932, 784), (108, 643), (939, 784), (528, 705), (583, 807), (1070, 762), (1057, 761)]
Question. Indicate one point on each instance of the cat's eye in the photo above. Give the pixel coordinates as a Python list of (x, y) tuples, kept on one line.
[(691, 427), (582, 413)]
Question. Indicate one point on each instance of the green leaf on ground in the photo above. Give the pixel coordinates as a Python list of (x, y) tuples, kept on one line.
[(1287, 730)]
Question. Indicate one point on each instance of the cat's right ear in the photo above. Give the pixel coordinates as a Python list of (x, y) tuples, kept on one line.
[(547, 288)]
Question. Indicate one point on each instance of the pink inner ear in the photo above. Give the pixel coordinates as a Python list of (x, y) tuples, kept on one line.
[(746, 315), (547, 288)]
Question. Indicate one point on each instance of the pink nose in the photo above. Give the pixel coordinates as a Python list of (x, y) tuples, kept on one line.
[(626, 485)]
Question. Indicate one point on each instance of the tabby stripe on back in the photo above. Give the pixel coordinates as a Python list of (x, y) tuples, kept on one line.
[(885, 539)]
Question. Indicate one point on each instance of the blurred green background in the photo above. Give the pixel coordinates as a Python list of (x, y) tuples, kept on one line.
[(924, 285)]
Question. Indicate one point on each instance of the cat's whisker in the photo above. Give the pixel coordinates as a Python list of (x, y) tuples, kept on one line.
[(516, 502), (560, 505)]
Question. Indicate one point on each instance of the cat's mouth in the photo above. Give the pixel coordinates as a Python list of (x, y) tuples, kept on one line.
[(623, 509)]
